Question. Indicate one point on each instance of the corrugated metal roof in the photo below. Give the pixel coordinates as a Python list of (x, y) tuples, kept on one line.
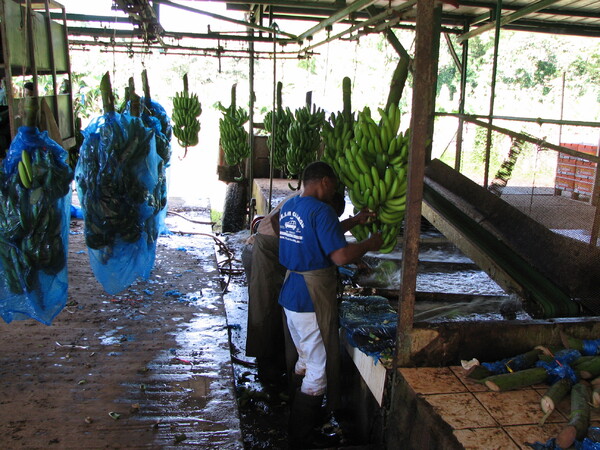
[(576, 17)]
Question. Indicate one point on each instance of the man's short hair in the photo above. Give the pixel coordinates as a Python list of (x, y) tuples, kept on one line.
[(28, 85), (317, 171)]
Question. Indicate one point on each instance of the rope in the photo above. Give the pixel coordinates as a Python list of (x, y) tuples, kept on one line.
[(326, 66), (190, 220)]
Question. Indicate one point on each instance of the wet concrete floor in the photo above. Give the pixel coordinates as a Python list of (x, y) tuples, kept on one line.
[(147, 368)]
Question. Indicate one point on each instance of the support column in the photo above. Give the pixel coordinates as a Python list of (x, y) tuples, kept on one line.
[(250, 165), (488, 142), (423, 108), (461, 103)]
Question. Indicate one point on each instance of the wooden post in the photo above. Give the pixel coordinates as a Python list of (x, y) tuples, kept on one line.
[(250, 165), (461, 103), (425, 80), (488, 142), (48, 22)]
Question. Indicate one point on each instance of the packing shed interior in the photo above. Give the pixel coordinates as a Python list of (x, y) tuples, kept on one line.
[(495, 235)]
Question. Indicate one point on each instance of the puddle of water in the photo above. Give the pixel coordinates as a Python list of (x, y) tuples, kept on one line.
[(111, 337)]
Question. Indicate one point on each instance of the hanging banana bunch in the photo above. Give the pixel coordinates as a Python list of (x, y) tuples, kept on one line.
[(338, 132), (282, 118), (373, 169), (304, 137), (186, 109), (234, 137)]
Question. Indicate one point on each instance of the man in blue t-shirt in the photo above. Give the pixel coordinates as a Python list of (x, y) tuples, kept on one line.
[(311, 244)]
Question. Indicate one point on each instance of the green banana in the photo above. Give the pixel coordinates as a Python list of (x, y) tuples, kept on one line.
[(25, 180), (186, 109)]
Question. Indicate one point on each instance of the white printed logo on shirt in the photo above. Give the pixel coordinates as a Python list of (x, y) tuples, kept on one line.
[(291, 226)]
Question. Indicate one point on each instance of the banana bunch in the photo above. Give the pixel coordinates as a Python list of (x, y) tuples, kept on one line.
[(337, 136), (25, 170), (186, 109), (373, 169), (283, 120), (304, 138), (234, 137)]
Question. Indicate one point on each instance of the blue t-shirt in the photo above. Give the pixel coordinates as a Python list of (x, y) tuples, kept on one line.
[(309, 231)]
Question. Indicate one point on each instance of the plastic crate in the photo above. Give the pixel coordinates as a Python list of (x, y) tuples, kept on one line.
[(584, 187), (564, 183)]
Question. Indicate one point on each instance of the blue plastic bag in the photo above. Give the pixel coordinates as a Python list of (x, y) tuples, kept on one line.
[(34, 228), (117, 179), (155, 117), (370, 324)]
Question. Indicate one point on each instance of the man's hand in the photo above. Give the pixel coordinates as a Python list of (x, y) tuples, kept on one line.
[(375, 241), (353, 251), (365, 215)]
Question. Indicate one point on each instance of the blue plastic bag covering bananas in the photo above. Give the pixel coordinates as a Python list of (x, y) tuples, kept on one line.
[(155, 117), (118, 186), (35, 205)]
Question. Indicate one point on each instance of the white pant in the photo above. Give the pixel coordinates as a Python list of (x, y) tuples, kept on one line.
[(312, 357)]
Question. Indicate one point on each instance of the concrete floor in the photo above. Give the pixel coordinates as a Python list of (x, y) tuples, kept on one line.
[(149, 367)]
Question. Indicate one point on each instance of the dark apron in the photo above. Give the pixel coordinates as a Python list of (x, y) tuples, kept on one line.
[(322, 287), (265, 332)]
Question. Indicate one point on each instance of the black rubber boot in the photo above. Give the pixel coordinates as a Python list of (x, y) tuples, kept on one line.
[(295, 383), (304, 417), (270, 371)]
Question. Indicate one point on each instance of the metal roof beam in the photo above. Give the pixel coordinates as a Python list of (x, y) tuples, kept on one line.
[(507, 19), (293, 3), (374, 19), (336, 17), (535, 26), (550, 11), (224, 18), (89, 18), (482, 18)]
